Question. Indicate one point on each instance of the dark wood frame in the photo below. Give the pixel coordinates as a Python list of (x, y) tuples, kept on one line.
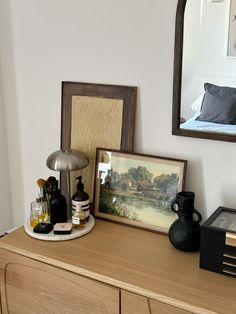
[(144, 156), (126, 93), (208, 223), (177, 83)]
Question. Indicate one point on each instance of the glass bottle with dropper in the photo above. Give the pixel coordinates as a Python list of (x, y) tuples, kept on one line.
[(78, 217)]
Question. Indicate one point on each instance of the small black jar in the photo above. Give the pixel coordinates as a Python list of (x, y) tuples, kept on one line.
[(184, 233)]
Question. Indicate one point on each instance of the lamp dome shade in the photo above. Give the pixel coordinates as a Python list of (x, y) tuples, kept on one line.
[(67, 160)]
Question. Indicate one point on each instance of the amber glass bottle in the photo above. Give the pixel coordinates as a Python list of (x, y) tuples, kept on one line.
[(82, 198), (78, 217)]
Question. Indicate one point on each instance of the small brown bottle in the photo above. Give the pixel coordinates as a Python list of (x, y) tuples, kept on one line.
[(78, 217)]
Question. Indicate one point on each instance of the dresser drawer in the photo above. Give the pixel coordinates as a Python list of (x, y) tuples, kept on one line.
[(30, 287), (132, 303)]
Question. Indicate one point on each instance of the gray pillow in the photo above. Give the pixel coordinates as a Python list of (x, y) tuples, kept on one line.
[(218, 105)]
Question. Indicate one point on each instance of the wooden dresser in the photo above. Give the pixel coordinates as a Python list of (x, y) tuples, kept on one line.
[(113, 269)]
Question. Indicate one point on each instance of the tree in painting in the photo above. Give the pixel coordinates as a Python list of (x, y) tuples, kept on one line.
[(120, 193)]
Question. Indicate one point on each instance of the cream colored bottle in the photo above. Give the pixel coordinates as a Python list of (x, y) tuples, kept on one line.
[(78, 217)]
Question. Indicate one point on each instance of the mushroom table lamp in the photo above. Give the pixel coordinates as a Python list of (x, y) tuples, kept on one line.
[(66, 161)]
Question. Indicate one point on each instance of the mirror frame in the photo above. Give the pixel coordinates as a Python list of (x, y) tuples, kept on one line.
[(177, 83)]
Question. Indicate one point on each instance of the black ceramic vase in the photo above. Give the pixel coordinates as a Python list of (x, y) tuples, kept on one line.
[(184, 233)]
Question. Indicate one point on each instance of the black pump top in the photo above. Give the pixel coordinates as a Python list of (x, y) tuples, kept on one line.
[(80, 185)]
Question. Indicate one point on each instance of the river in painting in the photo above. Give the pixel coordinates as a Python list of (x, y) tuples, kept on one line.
[(137, 207)]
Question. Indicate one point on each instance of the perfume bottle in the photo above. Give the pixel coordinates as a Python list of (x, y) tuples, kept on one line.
[(38, 212), (78, 217)]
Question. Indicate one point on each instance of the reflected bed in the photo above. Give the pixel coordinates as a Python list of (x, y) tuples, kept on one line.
[(214, 111), (202, 126)]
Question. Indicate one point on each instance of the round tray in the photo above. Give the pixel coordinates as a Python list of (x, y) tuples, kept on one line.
[(75, 233)]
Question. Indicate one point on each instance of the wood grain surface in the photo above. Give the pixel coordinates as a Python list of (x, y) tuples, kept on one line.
[(138, 261), (32, 287), (132, 303)]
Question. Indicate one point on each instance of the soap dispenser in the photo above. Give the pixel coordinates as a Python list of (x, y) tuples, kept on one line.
[(58, 205), (82, 198)]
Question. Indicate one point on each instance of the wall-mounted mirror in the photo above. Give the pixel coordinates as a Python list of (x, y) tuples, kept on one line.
[(204, 91)]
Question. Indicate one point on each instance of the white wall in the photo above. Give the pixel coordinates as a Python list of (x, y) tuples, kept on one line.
[(126, 42), (6, 221)]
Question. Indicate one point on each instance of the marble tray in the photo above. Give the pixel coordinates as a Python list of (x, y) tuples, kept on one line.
[(60, 237)]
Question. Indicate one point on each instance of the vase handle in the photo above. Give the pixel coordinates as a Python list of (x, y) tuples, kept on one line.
[(199, 216), (172, 206)]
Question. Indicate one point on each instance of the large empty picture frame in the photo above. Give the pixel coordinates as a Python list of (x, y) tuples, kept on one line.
[(96, 115)]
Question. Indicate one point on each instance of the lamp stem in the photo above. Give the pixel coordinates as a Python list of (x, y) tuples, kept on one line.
[(69, 213)]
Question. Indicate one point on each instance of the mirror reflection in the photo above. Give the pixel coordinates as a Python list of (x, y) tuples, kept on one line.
[(208, 85)]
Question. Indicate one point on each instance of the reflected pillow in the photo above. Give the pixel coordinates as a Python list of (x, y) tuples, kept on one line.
[(219, 104)]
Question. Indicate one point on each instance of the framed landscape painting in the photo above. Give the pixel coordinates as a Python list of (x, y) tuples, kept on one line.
[(137, 189)]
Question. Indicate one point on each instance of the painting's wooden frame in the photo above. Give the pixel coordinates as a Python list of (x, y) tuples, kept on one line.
[(128, 95), (112, 192)]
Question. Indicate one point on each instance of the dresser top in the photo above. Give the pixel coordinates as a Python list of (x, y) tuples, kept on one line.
[(135, 260)]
